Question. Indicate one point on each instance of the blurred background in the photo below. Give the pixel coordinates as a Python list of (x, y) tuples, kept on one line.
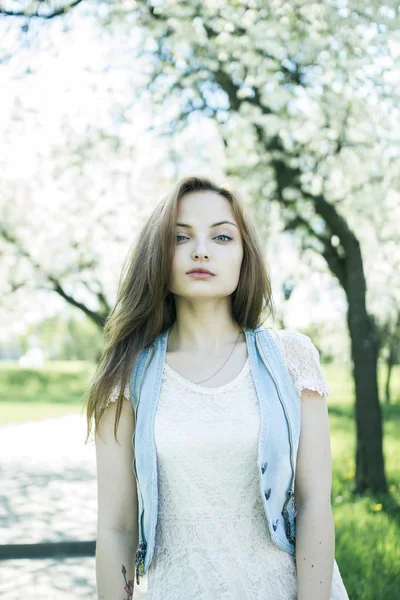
[(104, 105)]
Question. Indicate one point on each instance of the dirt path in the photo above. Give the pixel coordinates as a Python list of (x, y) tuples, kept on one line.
[(48, 493)]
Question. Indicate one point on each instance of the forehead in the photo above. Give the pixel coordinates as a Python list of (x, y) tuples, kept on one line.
[(202, 204)]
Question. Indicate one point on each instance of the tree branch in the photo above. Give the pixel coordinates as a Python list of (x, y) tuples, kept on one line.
[(36, 14)]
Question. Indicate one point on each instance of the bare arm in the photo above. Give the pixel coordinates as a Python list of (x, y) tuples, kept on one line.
[(315, 535), (117, 527)]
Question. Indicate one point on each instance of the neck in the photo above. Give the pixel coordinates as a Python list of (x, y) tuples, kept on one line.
[(210, 337)]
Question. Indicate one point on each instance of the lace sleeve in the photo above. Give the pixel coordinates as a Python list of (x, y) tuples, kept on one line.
[(115, 393), (302, 360)]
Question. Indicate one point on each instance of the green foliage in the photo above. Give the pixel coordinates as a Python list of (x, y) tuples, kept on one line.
[(56, 383), (71, 339), (367, 528)]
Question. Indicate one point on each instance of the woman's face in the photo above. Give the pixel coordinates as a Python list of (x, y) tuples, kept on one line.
[(217, 248)]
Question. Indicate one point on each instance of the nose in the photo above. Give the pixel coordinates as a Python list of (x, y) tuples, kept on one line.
[(203, 255), (201, 252)]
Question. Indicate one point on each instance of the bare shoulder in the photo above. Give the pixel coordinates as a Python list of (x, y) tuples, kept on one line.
[(107, 420)]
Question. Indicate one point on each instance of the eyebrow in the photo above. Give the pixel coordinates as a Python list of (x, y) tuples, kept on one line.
[(213, 225)]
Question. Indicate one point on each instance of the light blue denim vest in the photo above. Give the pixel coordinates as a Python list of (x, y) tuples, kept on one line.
[(277, 448)]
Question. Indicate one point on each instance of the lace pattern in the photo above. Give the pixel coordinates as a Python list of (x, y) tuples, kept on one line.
[(302, 360), (299, 354)]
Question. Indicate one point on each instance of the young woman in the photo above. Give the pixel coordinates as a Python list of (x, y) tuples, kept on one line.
[(219, 485)]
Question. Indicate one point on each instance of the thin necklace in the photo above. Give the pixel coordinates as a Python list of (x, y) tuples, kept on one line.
[(237, 339)]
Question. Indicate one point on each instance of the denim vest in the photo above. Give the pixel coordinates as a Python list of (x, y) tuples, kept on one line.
[(277, 448)]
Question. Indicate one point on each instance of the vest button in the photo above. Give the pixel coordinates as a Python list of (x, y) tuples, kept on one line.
[(268, 493), (263, 467)]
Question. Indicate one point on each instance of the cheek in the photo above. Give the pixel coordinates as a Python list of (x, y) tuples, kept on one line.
[(238, 257), (177, 264), (176, 260)]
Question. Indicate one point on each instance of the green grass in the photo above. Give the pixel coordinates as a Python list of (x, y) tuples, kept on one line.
[(367, 528), (54, 390)]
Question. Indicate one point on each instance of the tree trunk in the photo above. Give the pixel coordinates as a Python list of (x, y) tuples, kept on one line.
[(370, 472), (346, 263), (390, 364)]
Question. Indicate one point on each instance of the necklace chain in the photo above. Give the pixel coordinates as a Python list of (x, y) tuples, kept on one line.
[(237, 339)]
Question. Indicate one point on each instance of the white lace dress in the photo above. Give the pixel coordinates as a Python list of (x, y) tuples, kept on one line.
[(212, 538)]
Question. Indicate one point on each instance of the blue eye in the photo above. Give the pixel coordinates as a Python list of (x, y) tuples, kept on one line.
[(225, 235)]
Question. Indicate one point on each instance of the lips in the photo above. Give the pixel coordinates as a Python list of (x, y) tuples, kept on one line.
[(200, 271)]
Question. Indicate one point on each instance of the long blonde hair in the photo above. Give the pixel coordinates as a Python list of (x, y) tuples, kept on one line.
[(145, 307)]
